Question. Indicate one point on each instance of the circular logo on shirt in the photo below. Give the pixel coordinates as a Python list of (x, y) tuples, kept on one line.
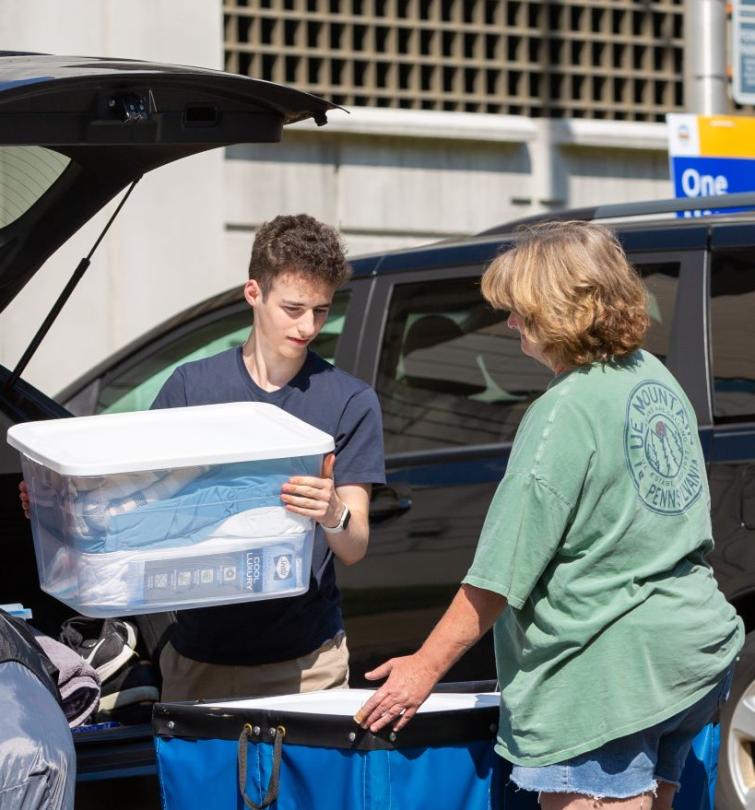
[(661, 449)]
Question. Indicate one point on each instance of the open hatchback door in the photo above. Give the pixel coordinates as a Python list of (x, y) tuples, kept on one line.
[(76, 131)]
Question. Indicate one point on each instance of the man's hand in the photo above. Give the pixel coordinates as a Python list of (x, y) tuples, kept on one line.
[(410, 681), (23, 496), (315, 498), (318, 498)]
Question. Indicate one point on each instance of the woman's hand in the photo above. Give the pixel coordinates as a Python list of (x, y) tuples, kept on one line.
[(410, 681), (313, 497), (23, 496), (412, 677)]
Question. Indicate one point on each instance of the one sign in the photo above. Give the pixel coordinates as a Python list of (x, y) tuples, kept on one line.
[(711, 155), (743, 51)]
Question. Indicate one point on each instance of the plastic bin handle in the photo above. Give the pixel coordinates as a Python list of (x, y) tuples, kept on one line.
[(271, 794)]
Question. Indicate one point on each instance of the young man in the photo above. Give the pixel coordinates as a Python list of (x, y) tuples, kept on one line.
[(293, 644)]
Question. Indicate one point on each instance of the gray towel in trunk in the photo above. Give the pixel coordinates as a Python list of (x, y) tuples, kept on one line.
[(78, 683)]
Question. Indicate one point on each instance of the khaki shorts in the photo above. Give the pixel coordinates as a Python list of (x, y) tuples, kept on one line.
[(186, 679)]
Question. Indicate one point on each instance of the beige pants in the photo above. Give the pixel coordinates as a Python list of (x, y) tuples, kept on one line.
[(186, 679)]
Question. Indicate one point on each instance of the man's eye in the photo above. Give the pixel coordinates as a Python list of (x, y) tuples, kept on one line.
[(292, 310)]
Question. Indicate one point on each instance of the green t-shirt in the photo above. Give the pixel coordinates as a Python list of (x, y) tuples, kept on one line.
[(596, 536)]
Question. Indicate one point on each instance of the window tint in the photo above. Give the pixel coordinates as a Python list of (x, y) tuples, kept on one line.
[(662, 282), (26, 172), (451, 373), (136, 387), (733, 334)]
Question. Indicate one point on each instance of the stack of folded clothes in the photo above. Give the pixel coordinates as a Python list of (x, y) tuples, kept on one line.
[(107, 548), (78, 682)]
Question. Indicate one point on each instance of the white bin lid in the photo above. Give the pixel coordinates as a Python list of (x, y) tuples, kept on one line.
[(108, 444)]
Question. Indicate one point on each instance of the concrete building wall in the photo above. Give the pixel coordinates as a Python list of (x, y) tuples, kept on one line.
[(163, 251), (395, 178), (386, 178)]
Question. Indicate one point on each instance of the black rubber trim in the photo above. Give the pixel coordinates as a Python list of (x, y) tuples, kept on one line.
[(107, 753), (197, 721)]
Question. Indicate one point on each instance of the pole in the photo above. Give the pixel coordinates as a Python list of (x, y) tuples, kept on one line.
[(705, 86)]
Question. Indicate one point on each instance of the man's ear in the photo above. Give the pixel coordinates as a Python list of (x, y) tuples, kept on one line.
[(252, 292)]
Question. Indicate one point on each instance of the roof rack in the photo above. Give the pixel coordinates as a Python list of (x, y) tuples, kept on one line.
[(745, 199)]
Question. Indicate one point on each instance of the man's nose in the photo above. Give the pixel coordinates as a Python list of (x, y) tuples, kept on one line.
[(306, 324)]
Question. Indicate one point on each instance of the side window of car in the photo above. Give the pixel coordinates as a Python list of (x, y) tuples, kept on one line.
[(662, 282), (135, 387), (451, 372), (732, 311)]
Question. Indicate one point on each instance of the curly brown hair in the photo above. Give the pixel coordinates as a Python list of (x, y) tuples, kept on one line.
[(576, 293), (299, 244)]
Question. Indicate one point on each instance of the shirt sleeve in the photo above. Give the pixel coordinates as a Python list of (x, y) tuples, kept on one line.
[(534, 505), (359, 441), (173, 392)]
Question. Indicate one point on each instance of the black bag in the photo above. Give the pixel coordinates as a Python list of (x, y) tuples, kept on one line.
[(17, 643)]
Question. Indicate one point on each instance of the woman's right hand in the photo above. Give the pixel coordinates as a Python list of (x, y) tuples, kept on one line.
[(408, 685), (23, 496)]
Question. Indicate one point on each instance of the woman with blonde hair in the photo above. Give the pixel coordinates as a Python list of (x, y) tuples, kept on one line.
[(614, 645)]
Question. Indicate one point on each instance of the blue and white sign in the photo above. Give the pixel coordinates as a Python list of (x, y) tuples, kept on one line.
[(710, 156)]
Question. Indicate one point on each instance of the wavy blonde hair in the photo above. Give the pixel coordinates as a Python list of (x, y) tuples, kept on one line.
[(576, 293)]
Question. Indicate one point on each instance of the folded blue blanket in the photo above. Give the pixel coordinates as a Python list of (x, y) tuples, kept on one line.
[(200, 500)]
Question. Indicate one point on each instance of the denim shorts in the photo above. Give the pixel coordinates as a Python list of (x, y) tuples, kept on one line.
[(631, 765)]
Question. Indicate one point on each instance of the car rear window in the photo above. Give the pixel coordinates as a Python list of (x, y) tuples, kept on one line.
[(26, 173)]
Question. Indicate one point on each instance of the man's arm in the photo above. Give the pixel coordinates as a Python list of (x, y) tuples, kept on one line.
[(321, 500), (411, 678)]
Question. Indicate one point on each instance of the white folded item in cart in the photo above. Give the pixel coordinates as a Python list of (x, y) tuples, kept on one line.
[(346, 702)]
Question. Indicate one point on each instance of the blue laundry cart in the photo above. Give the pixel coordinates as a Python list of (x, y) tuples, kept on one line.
[(303, 752)]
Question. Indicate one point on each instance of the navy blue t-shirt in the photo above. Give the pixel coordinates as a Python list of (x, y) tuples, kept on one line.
[(335, 402)]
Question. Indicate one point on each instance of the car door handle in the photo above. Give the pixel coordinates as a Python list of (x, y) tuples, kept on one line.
[(389, 502)]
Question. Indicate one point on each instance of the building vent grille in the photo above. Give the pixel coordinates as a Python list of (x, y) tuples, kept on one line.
[(612, 59)]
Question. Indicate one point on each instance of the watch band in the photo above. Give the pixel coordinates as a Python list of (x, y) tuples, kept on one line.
[(343, 522)]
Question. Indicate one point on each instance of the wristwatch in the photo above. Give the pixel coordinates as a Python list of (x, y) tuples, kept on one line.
[(343, 522)]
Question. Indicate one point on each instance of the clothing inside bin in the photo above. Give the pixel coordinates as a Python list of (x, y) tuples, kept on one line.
[(169, 508), (122, 579)]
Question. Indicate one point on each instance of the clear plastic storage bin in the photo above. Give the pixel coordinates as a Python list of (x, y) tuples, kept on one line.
[(169, 509)]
